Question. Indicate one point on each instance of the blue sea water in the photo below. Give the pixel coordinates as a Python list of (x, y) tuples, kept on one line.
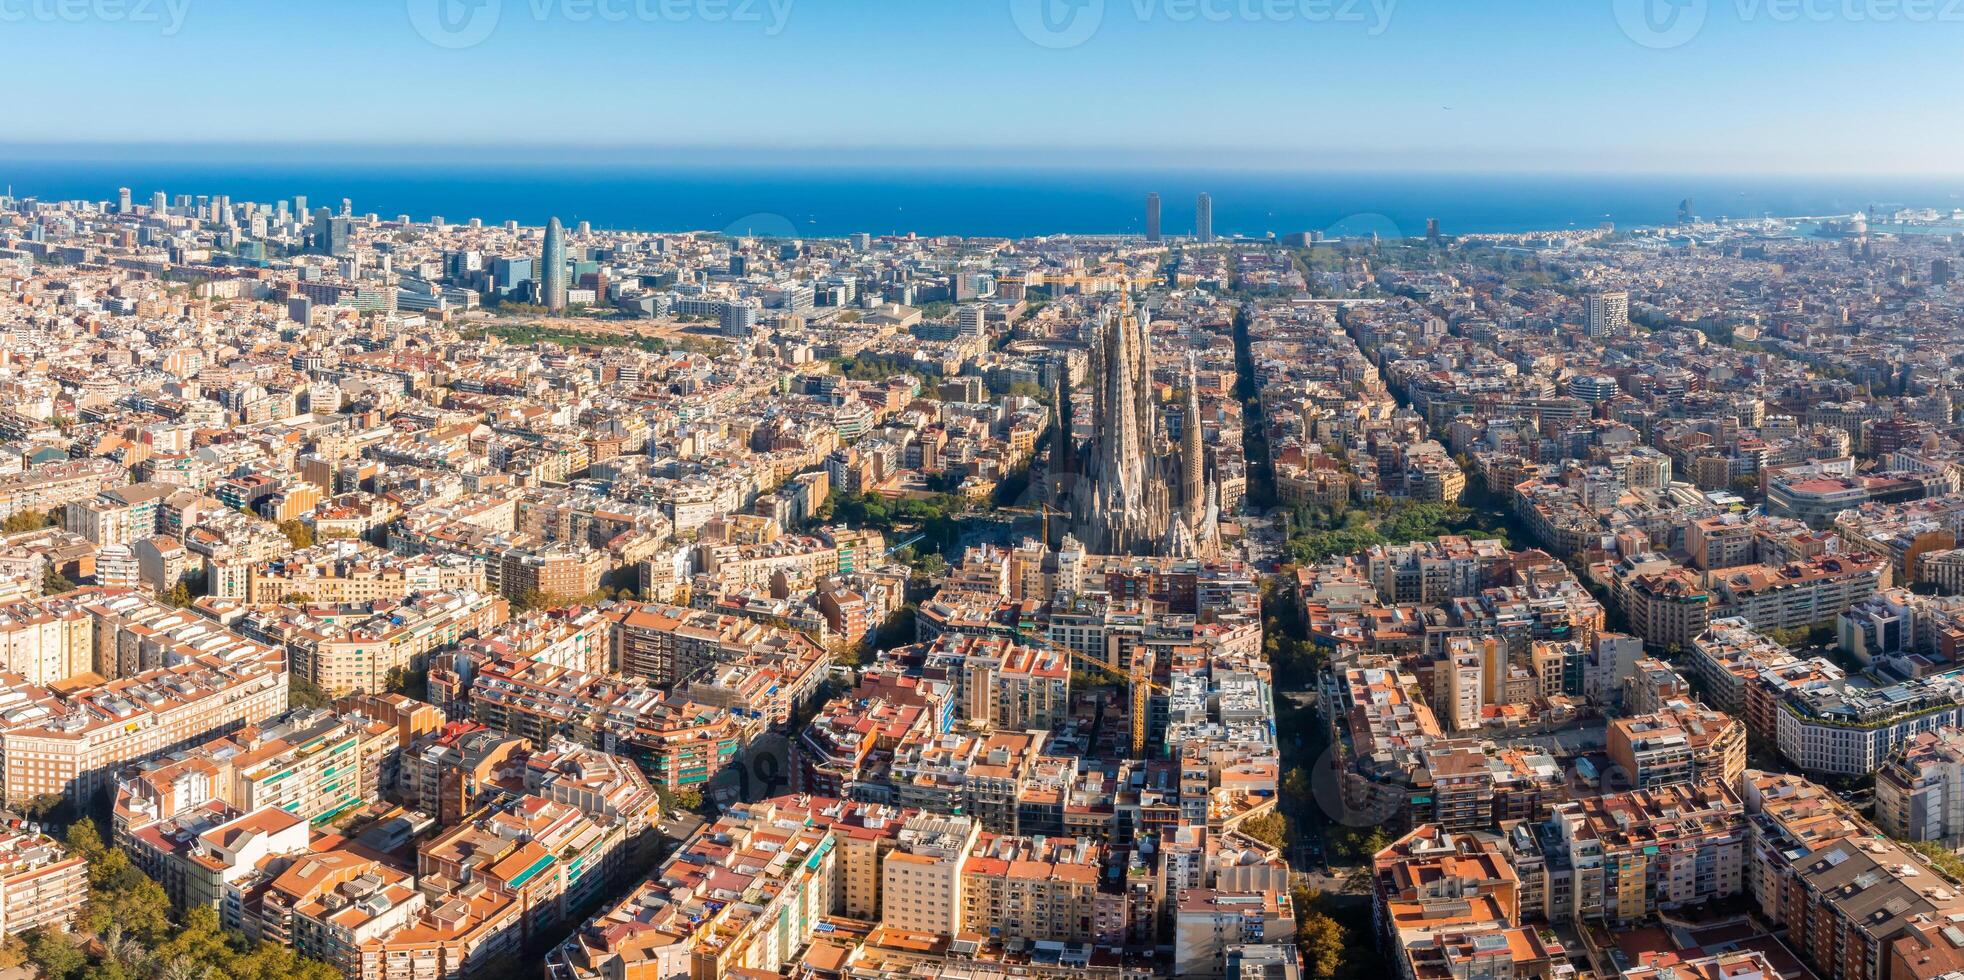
[(810, 201)]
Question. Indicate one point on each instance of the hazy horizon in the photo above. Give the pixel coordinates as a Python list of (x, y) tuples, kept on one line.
[(807, 158)]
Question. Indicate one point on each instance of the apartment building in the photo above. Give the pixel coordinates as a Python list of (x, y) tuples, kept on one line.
[(71, 744), (681, 743), (205, 852), (1800, 594), (1817, 497), (921, 881), (1011, 686), (119, 515), (1652, 685), (1665, 604), (313, 763), (47, 640), (355, 647), (744, 893), (1919, 792), (1721, 541), (1637, 853), (458, 933), (444, 772), (1730, 654), (1682, 742), (46, 487), (839, 749), (344, 572), (552, 857), (43, 885), (671, 644), (1040, 888), (607, 788), (1206, 922), (1431, 572), (1824, 722), (327, 904), (1845, 894), (1451, 905), (561, 573)]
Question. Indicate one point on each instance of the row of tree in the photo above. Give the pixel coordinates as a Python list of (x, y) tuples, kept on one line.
[(135, 933), (28, 520), (1315, 534)]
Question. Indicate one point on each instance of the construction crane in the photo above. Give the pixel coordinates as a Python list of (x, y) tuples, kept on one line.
[(1139, 684)]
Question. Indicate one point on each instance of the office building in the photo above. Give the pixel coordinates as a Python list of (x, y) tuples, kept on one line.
[(552, 268), (1606, 314)]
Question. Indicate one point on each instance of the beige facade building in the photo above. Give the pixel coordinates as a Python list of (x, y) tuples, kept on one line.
[(1919, 794), (43, 885), (921, 882), (1681, 742), (1206, 922), (70, 743)]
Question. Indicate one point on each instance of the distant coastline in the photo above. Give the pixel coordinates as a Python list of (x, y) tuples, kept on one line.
[(831, 201)]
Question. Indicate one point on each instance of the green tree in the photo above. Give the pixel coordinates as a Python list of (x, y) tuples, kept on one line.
[(106, 968), (1322, 942), (408, 683), (197, 938), (1271, 828), (303, 693), (1296, 786), (1026, 389), (120, 894), (1940, 857), (54, 955), (52, 582), (13, 953), (179, 595), (84, 839), (41, 807), (27, 520), (299, 533)]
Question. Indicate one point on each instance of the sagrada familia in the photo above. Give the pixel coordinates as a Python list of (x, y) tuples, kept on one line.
[(1132, 490)]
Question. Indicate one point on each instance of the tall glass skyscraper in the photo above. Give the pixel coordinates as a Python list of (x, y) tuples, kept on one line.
[(552, 271), (1152, 217), (1203, 218)]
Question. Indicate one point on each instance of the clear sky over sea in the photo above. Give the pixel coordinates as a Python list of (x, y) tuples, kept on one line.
[(1677, 86)]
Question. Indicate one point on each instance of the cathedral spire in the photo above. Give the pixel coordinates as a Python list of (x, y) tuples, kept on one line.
[(1137, 494), (1192, 451)]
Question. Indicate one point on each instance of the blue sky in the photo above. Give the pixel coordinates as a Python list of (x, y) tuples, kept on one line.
[(1761, 86)]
